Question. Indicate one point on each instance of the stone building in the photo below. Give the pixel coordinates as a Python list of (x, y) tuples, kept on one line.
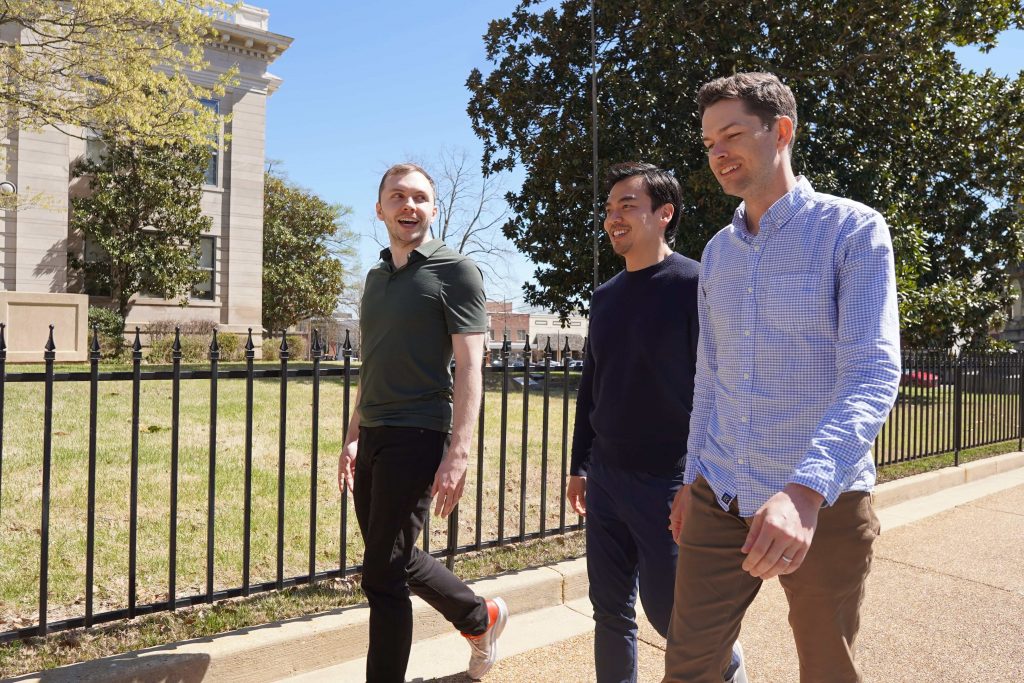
[(36, 242)]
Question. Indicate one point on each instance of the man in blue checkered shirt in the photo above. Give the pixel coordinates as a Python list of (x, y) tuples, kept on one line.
[(797, 368)]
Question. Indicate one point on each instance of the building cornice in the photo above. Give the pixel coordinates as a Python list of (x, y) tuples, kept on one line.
[(248, 42)]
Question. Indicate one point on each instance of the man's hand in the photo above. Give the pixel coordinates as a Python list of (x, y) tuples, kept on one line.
[(576, 492), (781, 532), (347, 466), (449, 481), (680, 504)]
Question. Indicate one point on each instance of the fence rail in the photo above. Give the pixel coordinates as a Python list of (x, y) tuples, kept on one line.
[(946, 404)]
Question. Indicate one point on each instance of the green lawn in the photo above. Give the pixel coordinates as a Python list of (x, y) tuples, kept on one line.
[(20, 498)]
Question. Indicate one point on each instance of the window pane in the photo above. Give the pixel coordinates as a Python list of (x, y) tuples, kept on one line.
[(204, 288), (211, 167), (206, 252), (211, 170), (95, 150)]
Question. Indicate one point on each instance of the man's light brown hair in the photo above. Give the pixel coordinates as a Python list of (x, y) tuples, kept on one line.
[(763, 95), (405, 169)]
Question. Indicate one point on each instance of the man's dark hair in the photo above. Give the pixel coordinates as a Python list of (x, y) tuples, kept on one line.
[(405, 169), (763, 94), (660, 185)]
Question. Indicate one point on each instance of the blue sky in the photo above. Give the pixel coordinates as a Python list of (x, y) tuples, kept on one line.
[(367, 85)]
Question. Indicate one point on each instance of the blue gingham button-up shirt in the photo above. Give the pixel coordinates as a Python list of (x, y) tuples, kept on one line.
[(798, 362)]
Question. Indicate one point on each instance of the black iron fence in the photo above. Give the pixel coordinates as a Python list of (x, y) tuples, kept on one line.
[(946, 404)]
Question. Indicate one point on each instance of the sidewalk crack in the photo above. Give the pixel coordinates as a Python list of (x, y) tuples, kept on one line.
[(962, 579)]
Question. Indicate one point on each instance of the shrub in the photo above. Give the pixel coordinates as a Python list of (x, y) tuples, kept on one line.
[(158, 329), (230, 347), (194, 349), (296, 347), (111, 328)]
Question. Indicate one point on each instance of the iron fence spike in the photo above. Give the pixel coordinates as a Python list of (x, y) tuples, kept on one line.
[(137, 344), (50, 346), (249, 346)]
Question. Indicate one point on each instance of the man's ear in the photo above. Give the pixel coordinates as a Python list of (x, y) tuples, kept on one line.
[(785, 131), (665, 213), (380, 214)]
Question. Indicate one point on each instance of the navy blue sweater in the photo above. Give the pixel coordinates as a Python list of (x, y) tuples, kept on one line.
[(636, 394)]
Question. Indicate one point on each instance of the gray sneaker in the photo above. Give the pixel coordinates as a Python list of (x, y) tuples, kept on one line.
[(737, 671), (484, 647)]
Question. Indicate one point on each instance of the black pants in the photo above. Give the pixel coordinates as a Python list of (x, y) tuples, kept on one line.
[(395, 469)]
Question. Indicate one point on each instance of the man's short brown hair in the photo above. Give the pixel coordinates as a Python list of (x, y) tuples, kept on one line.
[(405, 169), (763, 94)]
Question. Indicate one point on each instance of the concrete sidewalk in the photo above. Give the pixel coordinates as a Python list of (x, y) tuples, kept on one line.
[(945, 603)]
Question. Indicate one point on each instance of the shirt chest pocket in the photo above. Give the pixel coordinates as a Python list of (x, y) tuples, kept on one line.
[(797, 302)]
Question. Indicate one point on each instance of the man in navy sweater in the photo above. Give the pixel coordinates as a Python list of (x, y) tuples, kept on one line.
[(633, 414)]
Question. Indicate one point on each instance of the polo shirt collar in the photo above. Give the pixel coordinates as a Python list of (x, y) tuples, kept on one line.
[(420, 253)]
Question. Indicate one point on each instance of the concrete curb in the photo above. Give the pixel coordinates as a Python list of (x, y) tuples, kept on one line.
[(276, 651)]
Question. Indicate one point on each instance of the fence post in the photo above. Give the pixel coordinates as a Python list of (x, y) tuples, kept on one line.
[(958, 407), (90, 516), (44, 526), (345, 415), (250, 354), (172, 572), (282, 447), (1020, 401), (211, 495)]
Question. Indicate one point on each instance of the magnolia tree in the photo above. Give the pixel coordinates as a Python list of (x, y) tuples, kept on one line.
[(888, 117)]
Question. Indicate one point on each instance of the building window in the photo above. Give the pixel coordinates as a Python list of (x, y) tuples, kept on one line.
[(95, 147), (97, 279), (1016, 306), (521, 335), (207, 263), (574, 324), (212, 176), (542, 322)]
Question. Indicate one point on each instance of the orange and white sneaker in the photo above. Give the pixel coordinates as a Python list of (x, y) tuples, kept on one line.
[(484, 647)]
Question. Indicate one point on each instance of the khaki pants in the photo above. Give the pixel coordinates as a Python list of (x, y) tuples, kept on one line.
[(713, 592)]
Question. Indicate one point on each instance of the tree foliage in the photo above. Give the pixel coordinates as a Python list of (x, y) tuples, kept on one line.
[(888, 117), (143, 213), (119, 66), (305, 243)]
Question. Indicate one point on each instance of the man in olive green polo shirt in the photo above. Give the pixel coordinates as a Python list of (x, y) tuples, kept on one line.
[(407, 442)]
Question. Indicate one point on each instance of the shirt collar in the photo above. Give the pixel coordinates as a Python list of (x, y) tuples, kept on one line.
[(420, 253), (779, 213)]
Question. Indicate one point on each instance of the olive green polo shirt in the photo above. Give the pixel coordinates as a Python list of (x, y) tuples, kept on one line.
[(407, 318)]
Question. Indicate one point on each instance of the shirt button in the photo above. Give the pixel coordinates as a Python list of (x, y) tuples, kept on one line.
[(746, 375), (757, 248), (746, 333), (750, 290), (739, 461), (743, 419)]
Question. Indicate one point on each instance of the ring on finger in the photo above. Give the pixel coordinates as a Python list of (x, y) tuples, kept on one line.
[(785, 559)]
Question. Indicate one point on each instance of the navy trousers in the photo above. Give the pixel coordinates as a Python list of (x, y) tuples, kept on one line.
[(628, 545)]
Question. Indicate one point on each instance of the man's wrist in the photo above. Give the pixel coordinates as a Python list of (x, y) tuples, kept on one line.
[(801, 494)]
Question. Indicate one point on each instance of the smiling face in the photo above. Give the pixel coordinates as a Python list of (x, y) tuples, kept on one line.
[(406, 206), (636, 229), (747, 157)]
